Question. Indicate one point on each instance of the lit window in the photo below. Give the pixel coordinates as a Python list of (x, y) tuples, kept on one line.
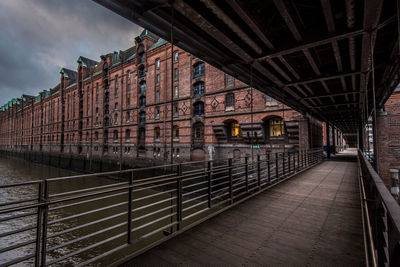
[(236, 131), (276, 127), (157, 133), (175, 132)]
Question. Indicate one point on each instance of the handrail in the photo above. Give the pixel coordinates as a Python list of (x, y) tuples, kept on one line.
[(384, 214), (141, 208)]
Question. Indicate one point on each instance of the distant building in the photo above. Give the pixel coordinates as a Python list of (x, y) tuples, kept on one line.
[(122, 106)]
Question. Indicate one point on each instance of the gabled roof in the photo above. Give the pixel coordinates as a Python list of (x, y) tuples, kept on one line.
[(70, 74), (149, 34), (86, 62), (160, 42)]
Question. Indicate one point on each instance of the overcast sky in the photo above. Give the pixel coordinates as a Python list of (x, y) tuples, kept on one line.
[(39, 37)]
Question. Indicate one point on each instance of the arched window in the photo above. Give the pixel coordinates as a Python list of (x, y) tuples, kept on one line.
[(116, 106), (230, 101), (96, 136), (198, 131), (176, 56), (142, 88), (175, 132), (157, 133), (115, 135), (142, 101), (198, 70), (234, 129), (198, 89), (127, 135), (198, 109), (276, 127)]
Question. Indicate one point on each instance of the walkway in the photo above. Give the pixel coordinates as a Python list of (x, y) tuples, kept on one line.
[(313, 219)]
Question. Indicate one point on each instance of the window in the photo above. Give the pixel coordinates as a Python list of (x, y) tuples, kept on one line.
[(198, 109), (142, 101), (176, 110), (230, 101), (142, 116), (116, 106), (116, 92), (176, 56), (157, 78), (116, 118), (157, 113), (142, 72), (128, 74), (157, 133), (127, 116), (87, 137), (198, 130), (235, 130), (157, 96), (97, 110), (142, 88), (269, 101), (128, 100), (127, 135), (115, 135), (97, 92), (176, 74), (229, 80), (198, 70), (175, 132), (276, 127), (198, 89), (128, 89), (158, 63), (176, 91), (116, 82)]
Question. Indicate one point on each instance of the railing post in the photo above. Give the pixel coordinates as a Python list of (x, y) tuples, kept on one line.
[(283, 164), (230, 180), (259, 171), (209, 176), (179, 198), (246, 170), (269, 167), (289, 162), (276, 166), (39, 223), (298, 160), (130, 209), (45, 223)]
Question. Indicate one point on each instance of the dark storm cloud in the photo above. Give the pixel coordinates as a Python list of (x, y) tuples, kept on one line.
[(39, 37)]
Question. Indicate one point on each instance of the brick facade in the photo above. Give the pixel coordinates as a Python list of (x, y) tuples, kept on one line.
[(388, 141), (121, 108)]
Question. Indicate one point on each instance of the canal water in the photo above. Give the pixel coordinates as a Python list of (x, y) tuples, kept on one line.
[(104, 217)]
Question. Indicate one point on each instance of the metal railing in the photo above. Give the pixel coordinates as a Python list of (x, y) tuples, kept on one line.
[(381, 218), (67, 220)]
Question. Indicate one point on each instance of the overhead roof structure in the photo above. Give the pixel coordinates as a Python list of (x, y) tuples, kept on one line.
[(316, 56)]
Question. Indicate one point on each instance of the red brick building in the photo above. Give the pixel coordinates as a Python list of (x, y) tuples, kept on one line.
[(123, 107), (388, 141)]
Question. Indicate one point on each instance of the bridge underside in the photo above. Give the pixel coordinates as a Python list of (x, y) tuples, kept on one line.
[(315, 56), (313, 219)]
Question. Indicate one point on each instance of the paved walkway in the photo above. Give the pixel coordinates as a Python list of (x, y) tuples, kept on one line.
[(313, 219)]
